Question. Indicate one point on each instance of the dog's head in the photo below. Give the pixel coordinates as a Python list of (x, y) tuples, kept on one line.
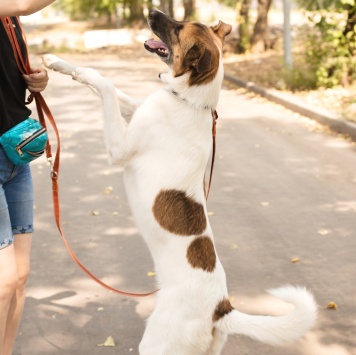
[(187, 47)]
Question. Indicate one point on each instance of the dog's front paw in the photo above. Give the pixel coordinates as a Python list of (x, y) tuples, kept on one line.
[(90, 77), (53, 62), (50, 60)]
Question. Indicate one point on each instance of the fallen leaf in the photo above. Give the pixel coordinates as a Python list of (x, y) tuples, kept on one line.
[(108, 190), (324, 231), (234, 246), (108, 342), (264, 204), (331, 305), (95, 213), (211, 213), (151, 273), (100, 308), (295, 260)]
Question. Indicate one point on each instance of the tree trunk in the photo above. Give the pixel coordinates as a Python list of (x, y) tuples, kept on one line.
[(260, 30), (243, 9), (136, 10), (167, 7), (350, 29), (189, 9)]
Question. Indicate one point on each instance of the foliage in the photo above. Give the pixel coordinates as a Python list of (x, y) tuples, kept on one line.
[(84, 9), (331, 41)]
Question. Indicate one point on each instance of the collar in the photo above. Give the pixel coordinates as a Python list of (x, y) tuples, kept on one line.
[(175, 93)]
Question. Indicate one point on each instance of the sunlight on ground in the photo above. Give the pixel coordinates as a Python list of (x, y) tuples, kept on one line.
[(145, 306), (311, 345)]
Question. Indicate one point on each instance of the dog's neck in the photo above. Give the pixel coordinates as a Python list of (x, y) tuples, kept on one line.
[(204, 96), (188, 102)]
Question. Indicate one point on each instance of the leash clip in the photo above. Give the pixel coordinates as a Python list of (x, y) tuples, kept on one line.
[(53, 173)]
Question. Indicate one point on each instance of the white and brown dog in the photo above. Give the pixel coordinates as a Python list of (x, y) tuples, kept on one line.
[(165, 150)]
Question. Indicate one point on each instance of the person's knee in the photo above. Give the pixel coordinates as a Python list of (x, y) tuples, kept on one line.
[(22, 279), (9, 285)]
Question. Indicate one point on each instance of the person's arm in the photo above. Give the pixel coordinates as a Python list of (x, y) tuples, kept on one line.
[(22, 7)]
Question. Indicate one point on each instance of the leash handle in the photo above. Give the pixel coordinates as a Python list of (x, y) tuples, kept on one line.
[(42, 110)]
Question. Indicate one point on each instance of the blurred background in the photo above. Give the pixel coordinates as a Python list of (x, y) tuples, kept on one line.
[(306, 47)]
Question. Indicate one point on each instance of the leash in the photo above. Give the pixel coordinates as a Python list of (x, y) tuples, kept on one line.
[(215, 116), (42, 109)]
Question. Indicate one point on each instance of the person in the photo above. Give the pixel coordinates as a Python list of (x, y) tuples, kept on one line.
[(16, 191)]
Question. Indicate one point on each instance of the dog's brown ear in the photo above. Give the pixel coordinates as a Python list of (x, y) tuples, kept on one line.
[(222, 29), (204, 63), (199, 58)]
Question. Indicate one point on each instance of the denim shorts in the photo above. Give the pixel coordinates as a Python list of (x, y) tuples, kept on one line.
[(16, 200)]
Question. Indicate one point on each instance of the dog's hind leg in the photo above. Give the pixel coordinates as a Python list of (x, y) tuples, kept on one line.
[(115, 126), (219, 340)]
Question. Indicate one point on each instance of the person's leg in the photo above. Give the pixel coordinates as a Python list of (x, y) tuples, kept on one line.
[(8, 267), (8, 277), (18, 206), (22, 246)]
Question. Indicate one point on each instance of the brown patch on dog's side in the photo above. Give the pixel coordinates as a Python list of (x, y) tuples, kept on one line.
[(201, 254), (178, 213), (222, 309)]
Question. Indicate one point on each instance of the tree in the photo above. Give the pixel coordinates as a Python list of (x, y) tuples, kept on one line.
[(84, 9), (260, 30), (136, 10), (243, 9), (167, 7), (189, 9), (331, 41), (94, 9)]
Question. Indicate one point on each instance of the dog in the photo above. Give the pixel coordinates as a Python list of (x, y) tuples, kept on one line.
[(165, 149)]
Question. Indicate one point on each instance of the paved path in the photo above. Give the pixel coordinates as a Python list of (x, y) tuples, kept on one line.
[(282, 189)]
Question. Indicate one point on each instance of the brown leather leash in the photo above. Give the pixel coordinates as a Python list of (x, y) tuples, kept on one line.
[(215, 116), (42, 109)]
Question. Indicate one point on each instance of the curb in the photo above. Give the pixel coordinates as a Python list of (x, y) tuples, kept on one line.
[(295, 104)]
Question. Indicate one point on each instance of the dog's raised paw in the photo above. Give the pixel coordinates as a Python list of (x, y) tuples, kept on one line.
[(49, 60), (90, 77)]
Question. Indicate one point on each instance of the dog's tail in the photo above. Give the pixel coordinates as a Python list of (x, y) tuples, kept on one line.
[(278, 330)]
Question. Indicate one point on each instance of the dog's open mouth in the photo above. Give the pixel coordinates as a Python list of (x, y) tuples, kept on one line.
[(157, 47)]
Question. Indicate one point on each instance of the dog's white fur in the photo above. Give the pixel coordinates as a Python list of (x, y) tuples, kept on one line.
[(166, 146)]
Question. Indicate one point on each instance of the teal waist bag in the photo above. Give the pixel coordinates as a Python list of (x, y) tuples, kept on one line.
[(24, 142)]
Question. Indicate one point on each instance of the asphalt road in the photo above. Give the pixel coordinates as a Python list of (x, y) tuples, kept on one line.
[(283, 189)]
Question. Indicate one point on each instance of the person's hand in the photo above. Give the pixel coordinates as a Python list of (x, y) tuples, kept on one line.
[(37, 81)]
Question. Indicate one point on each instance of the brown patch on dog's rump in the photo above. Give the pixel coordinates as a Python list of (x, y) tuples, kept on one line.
[(222, 309), (178, 213), (201, 254)]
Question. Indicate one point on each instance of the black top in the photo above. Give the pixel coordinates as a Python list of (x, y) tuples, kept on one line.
[(12, 85)]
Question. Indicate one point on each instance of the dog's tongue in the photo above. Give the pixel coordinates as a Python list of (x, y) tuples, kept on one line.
[(152, 43)]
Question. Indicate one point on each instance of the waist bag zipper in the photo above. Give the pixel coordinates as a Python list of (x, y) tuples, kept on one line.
[(29, 139)]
